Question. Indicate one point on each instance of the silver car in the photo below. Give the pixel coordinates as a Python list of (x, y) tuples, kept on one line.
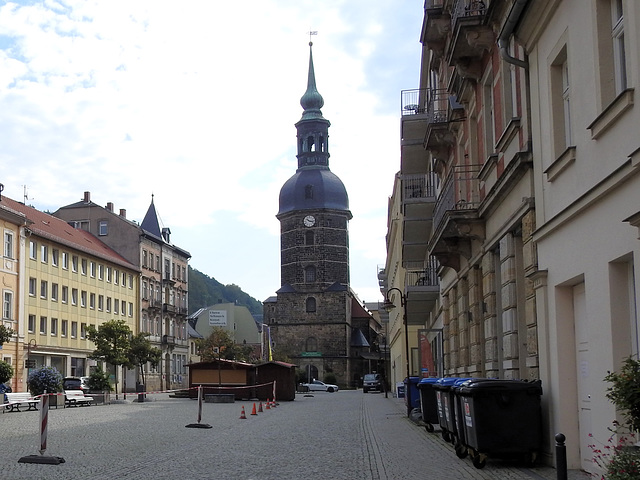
[(318, 386)]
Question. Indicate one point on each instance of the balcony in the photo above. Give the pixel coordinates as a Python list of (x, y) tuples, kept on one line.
[(418, 202), (168, 340), (456, 220), (436, 26), (167, 307), (471, 35), (413, 123), (422, 288), (442, 110), (382, 280)]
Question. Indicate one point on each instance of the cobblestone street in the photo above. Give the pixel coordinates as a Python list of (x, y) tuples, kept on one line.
[(348, 435)]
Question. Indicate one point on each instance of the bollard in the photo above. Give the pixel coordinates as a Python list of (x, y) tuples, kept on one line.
[(44, 420), (199, 425), (561, 457)]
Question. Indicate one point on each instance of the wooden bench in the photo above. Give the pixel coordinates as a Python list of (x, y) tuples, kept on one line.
[(14, 400), (74, 398)]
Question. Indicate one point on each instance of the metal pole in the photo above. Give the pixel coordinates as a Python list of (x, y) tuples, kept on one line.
[(561, 457)]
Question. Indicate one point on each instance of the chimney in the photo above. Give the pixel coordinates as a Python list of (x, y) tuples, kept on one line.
[(87, 197), (110, 206), (123, 213)]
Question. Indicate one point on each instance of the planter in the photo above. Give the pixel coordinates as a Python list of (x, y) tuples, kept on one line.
[(101, 397)]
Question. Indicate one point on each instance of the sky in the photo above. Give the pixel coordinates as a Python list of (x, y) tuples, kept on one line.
[(194, 102)]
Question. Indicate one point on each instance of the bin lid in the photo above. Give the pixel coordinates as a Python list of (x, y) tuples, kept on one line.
[(445, 383), (412, 379), (427, 382), (500, 386)]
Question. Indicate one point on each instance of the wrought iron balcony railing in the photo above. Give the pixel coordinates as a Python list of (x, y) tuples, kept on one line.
[(459, 192)]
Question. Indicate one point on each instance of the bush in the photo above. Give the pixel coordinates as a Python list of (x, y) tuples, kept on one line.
[(330, 378), (99, 381), (44, 378), (6, 371), (624, 392)]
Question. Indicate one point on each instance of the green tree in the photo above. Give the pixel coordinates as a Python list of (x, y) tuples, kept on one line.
[(5, 335), (141, 353), (6, 371), (99, 381), (113, 342)]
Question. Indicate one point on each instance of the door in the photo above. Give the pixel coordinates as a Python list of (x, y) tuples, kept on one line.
[(583, 374)]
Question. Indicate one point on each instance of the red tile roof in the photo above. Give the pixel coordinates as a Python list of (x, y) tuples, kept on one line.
[(47, 226)]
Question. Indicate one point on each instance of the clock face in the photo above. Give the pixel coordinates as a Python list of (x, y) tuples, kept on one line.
[(309, 221)]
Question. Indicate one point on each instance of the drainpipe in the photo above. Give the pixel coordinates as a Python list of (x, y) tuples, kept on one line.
[(507, 31)]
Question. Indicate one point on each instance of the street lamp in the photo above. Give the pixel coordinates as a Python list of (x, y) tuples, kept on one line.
[(388, 305)]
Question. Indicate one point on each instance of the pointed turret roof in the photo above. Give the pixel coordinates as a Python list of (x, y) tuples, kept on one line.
[(150, 222), (311, 101)]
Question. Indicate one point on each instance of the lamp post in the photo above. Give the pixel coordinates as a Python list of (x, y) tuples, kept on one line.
[(388, 305)]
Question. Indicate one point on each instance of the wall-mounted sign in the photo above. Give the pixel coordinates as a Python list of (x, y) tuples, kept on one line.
[(217, 318)]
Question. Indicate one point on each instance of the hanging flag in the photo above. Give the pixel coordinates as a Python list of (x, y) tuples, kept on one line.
[(270, 352)]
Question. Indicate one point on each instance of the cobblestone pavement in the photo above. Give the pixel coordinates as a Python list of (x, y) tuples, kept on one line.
[(345, 435)]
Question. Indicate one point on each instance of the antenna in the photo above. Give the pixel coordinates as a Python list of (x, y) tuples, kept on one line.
[(25, 197)]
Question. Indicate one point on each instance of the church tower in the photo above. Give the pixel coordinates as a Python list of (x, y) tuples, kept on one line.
[(310, 321), (314, 206)]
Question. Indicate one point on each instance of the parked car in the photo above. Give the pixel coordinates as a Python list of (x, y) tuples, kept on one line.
[(75, 383), (318, 386), (372, 381)]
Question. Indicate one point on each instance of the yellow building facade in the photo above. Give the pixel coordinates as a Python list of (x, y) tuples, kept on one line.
[(71, 280)]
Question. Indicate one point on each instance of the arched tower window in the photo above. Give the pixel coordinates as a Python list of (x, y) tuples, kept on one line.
[(321, 143), (311, 304), (310, 274), (309, 238), (311, 146), (311, 344)]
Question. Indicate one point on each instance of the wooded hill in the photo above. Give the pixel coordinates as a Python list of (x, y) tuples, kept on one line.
[(205, 291)]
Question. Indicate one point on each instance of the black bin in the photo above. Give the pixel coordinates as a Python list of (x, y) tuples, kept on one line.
[(428, 403), (445, 410), (502, 418)]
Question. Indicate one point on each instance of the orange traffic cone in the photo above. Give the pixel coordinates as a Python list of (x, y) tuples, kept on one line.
[(253, 412), (268, 407), (242, 415), (260, 408)]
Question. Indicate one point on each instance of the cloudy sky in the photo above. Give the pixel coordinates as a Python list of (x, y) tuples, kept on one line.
[(195, 102)]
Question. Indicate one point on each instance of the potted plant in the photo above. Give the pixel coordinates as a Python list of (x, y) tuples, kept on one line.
[(45, 379), (99, 384)]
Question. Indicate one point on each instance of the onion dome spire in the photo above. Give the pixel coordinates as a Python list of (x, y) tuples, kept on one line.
[(311, 101)]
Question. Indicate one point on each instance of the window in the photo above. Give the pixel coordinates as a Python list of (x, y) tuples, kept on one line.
[(92, 269), (157, 263), (123, 307), (55, 255), (32, 324), (65, 260), (116, 277), (44, 253), (310, 274), (311, 304), (43, 325), (108, 304), (488, 120), (54, 292), (43, 288), (64, 325), (108, 273), (32, 287), (144, 258), (54, 327), (116, 306), (561, 103), (144, 290), (7, 306), (619, 56), (124, 279), (83, 266), (74, 329), (83, 299), (92, 301), (100, 302), (74, 263), (83, 330), (309, 238), (65, 294), (100, 272), (173, 270), (74, 296), (131, 309), (130, 281), (8, 244), (102, 228), (33, 252)]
